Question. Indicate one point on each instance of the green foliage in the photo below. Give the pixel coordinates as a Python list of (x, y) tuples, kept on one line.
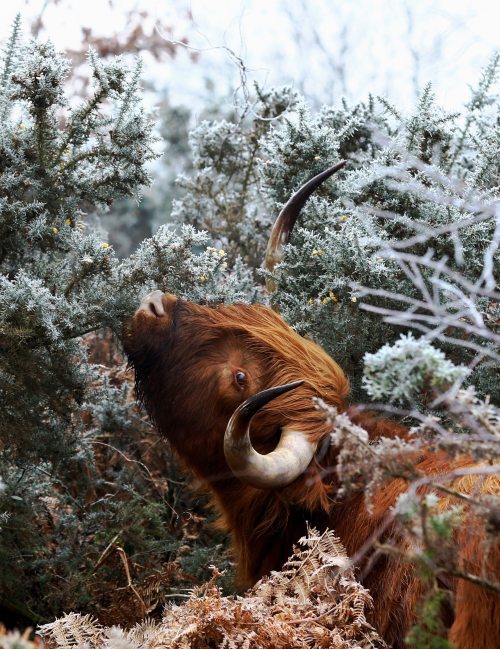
[(394, 196), (128, 222), (62, 501), (401, 372), (404, 239), (223, 193), (429, 633), (423, 184)]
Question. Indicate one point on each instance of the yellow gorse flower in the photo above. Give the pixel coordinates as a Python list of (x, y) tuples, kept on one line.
[(215, 253)]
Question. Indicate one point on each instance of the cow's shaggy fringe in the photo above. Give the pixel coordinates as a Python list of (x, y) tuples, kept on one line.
[(313, 602), (166, 357)]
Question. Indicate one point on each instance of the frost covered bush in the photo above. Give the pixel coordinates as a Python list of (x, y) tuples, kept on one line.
[(64, 498), (223, 193), (409, 225), (401, 372)]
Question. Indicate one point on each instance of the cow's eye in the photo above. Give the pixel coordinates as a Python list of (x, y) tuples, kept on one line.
[(240, 378)]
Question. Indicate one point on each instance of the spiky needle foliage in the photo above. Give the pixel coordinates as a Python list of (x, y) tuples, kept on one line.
[(413, 216), (59, 280), (223, 193)]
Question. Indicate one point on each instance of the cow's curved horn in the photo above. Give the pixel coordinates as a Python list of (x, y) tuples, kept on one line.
[(279, 468), (280, 234)]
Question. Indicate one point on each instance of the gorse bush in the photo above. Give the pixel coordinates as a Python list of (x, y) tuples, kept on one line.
[(224, 193), (414, 186), (63, 498)]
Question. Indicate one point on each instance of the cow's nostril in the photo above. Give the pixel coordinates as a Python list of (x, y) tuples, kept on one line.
[(153, 307), (153, 304)]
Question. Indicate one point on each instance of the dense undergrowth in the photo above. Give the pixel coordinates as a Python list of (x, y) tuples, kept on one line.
[(96, 517)]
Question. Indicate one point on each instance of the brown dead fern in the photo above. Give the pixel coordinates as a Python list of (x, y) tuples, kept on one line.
[(314, 602)]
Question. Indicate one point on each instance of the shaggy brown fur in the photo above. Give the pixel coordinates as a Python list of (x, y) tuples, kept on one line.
[(185, 364)]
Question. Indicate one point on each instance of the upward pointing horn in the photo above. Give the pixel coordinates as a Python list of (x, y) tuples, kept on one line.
[(280, 234)]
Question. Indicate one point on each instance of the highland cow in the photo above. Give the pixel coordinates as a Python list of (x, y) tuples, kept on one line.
[(231, 387)]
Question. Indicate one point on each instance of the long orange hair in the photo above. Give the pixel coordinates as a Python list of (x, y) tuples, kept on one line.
[(184, 366)]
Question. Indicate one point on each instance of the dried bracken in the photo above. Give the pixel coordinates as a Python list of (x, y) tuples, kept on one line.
[(17, 640), (313, 602)]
